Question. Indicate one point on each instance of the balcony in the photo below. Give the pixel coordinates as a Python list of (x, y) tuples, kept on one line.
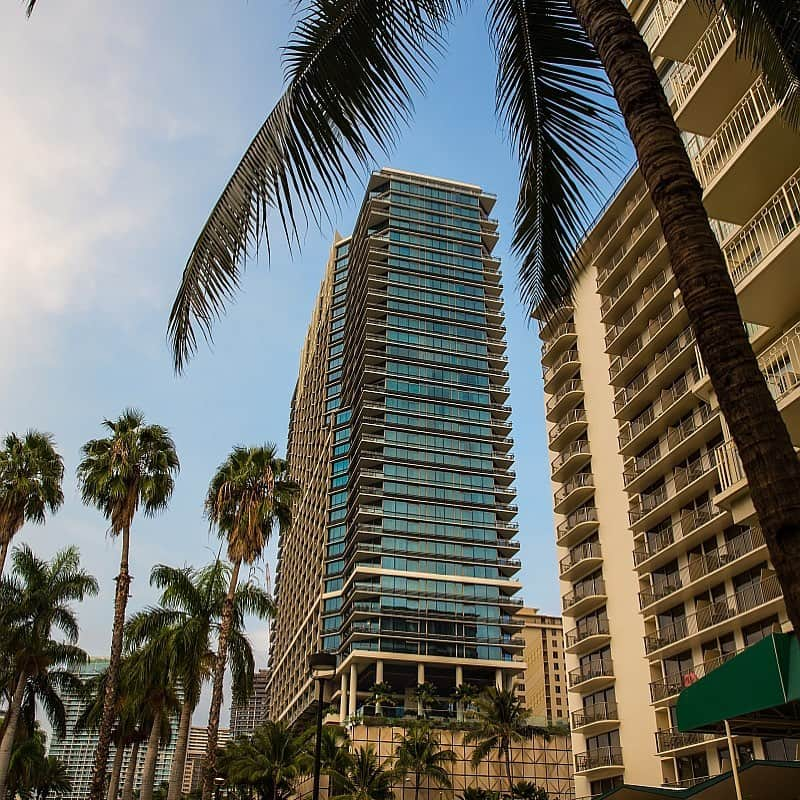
[(743, 163), (584, 597), (678, 23), (566, 397), (565, 366), (640, 236), (610, 235), (671, 739), (589, 635), (563, 336), (596, 718), (672, 685), (575, 491), (763, 256), (576, 526), (572, 424), (580, 560), (780, 363), (604, 761), (711, 79), (702, 570), (720, 614), (592, 676), (575, 455)]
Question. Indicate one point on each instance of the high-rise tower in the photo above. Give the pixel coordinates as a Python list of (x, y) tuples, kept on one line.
[(400, 558)]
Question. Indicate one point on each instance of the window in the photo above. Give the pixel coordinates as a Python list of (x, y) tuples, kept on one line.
[(760, 630), (744, 752)]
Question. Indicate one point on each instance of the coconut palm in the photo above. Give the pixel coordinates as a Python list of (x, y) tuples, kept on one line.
[(248, 497), (35, 603), (419, 753), (185, 624), (352, 68), (367, 778), (464, 695), (527, 790), (133, 467), (27, 762), (425, 693), (53, 778), (335, 756), (31, 472), (501, 721), (270, 761), (380, 694)]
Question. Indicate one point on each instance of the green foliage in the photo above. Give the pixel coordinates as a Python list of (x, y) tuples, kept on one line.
[(381, 694), (419, 753), (335, 756), (31, 473), (425, 693), (527, 790), (249, 495), (366, 778)]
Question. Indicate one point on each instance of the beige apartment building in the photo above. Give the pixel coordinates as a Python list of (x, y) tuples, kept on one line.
[(195, 754), (543, 685), (663, 567)]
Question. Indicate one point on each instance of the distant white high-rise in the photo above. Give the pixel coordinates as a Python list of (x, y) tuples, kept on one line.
[(76, 749), (248, 715)]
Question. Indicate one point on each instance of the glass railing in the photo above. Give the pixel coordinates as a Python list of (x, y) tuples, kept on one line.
[(581, 591), (597, 712), (596, 669), (581, 552), (674, 683), (601, 757)]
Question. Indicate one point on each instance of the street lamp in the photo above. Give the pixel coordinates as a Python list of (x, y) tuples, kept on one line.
[(323, 666)]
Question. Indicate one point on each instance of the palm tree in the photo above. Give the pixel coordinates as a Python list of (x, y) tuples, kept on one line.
[(335, 756), (31, 472), (527, 790), (426, 695), (270, 761), (27, 762), (35, 602), (53, 778), (367, 778), (186, 623), (134, 467), (351, 72), (501, 722), (380, 694), (249, 496), (464, 695), (419, 754)]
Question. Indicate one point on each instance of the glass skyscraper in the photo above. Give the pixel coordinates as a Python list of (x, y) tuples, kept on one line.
[(401, 560)]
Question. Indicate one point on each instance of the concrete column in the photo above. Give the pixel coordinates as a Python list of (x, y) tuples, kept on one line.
[(459, 682), (378, 679), (498, 679), (343, 699), (420, 679), (353, 690)]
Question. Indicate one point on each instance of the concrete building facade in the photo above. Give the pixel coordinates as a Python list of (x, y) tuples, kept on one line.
[(543, 685), (248, 715), (664, 570), (401, 558), (76, 749), (195, 753)]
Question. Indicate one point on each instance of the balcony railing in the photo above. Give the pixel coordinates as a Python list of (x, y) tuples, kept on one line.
[(629, 277), (571, 417), (597, 712), (575, 385), (582, 515), (583, 480), (673, 739), (734, 130), (780, 363), (596, 669), (777, 220), (568, 356), (628, 244), (579, 553), (601, 757), (564, 329), (619, 221), (675, 683), (699, 566), (581, 591), (646, 294), (729, 465), (580, 446), (593, 626), (745, 599), (688, 74)]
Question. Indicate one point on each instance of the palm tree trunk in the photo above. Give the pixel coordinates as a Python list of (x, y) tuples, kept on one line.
[(417, 782), (116, 769), (150, 758), (179, 757), (3, 554), (509, 772), (209, 768), (7, 745), (768, 457), (130, 773), (97, 786)]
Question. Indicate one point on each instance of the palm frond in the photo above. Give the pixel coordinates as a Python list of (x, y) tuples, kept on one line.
[(351, 66), (555, 103), (768, 33)]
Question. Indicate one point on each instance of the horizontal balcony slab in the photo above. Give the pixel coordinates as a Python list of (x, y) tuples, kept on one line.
[(681, 23), (581, 645), (581, 560)]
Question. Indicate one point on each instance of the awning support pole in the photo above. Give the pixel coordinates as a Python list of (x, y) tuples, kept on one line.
[(734, 761)]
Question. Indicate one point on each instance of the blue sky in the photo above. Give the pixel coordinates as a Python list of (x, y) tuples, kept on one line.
[(121, 123)]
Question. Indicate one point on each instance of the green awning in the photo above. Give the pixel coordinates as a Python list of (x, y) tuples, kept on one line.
[(760, 780), (758, 692)]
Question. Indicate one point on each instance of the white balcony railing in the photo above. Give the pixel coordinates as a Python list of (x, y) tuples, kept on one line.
[(780, 363), (688, 74), (734, 130), (777, 220), (729, 465)]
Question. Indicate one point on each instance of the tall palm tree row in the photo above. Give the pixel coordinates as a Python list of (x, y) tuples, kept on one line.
[(352, 68), (31, 473), (250, 494), (133, 467), (184, 626), (35, 606)]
